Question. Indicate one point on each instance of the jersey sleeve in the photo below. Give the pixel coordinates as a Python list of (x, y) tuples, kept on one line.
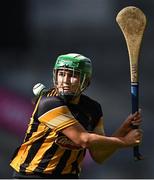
[(99, 128), (99, 124), (53, 112), (98, 111), (97, 115)]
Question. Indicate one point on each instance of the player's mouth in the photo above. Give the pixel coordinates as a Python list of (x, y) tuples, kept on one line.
[(66, 88)]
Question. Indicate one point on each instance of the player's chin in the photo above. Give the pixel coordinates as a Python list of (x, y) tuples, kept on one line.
[(66, 91)]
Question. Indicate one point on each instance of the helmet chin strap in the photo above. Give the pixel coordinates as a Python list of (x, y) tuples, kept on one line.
[(67, 97)]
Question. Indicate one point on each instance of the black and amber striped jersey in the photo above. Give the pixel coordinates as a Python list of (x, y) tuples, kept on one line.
[(45, 149)]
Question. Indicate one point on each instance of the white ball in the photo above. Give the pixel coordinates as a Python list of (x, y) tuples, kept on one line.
[(38, 88)]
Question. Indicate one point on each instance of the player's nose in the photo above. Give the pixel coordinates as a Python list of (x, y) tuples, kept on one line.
[(66, 79)]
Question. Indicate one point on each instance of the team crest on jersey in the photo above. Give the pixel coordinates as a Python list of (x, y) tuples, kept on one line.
[(65, 143)]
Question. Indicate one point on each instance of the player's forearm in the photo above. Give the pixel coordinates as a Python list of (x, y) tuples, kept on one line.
[(102, 147), (87, 140), (98, 141)]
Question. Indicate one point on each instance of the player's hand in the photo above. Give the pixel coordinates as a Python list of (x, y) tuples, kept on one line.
[(133, 138), (132, 120)]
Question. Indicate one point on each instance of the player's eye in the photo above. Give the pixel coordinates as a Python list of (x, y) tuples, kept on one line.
[(76, 74), (61, 74)]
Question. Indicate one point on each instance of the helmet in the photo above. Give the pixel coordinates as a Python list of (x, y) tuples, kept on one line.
[(75, 62)]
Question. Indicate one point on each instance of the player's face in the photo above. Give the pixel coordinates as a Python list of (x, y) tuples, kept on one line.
[(68, 81)]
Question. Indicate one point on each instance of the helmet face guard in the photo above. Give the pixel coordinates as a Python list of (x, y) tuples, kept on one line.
[(77, 64)]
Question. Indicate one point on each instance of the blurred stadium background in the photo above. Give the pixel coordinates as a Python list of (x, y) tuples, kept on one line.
[(34, 32)]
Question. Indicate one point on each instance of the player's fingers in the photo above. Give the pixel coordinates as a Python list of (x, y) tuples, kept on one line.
[(137, 117), (134, 123), (137, 112), (132, 116), (139, 133), (137, 120)]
